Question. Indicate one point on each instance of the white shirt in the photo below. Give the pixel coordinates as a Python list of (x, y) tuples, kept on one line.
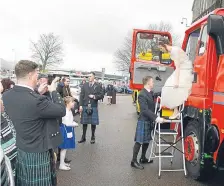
[(68, 119)]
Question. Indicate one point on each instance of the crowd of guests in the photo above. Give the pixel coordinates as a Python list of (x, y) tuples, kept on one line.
[(37, 124)]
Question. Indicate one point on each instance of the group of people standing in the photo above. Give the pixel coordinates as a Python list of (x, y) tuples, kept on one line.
[(38, 116)]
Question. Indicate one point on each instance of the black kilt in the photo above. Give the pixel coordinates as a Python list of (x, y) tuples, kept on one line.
[(90, 119), (35, 169), (143, 132)]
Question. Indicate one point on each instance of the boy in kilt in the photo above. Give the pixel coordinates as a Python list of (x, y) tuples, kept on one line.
[(37, 131), (91, 93), (146, 119)]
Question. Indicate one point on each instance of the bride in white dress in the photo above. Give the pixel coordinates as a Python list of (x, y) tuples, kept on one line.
[(178, 86)]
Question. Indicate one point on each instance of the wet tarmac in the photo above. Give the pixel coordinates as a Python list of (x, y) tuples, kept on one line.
[(107, 162)]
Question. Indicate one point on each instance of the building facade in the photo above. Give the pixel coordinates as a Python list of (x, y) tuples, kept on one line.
[(201, 8)]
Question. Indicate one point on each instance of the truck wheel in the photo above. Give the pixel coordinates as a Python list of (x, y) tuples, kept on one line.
[(192, 147)]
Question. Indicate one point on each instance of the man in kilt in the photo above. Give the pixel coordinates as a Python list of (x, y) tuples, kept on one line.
[(37, 132), (146, 119), (91, 92)]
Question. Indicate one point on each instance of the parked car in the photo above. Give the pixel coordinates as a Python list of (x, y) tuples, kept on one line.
[(128, 90), (75, 91), (124, 90), (119, 89)]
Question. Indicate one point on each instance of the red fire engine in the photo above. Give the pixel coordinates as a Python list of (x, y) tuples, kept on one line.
[(203, 120)]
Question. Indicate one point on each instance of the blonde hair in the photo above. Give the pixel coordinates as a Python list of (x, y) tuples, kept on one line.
[(68, 99)]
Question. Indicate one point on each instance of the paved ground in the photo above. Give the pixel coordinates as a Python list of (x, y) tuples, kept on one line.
[(107, 163)]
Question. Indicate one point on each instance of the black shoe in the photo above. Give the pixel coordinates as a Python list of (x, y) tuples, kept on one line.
[(136, 165), (145, 161), (67, 161), (92, 140), (82, 140)]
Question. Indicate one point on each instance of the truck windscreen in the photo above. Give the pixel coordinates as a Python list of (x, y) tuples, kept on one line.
[(147, 49)]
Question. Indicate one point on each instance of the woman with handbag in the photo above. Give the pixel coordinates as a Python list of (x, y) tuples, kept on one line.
[(68, 133)]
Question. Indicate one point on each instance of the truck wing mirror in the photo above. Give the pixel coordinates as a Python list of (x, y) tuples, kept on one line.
[(216, 31)]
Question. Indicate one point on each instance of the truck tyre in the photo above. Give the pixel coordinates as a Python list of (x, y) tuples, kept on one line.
[(192, 146)]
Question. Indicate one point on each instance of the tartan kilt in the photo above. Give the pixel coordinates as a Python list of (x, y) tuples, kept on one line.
[(90, 119), (143, 132), (35, 169)]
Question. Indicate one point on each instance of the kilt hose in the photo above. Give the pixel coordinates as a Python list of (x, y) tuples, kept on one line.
[(35, 169), (143, 132), (90, 119)]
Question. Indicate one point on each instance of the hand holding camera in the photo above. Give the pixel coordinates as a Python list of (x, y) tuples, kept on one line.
[(43, 88), (52, 87)]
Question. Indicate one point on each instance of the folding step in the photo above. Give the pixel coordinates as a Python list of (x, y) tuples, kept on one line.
[(164, 154), (167, 132), (165, 144), (167, 147), (172, 120)]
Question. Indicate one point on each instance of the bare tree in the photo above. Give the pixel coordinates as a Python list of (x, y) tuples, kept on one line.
[(123, 55), (47, 51)]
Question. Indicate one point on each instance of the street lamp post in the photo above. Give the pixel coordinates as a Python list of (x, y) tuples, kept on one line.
[(185, 19)]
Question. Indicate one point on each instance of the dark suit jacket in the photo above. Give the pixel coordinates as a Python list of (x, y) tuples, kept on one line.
[(53, 127), (86, 90), (31, 115), (147, 105)]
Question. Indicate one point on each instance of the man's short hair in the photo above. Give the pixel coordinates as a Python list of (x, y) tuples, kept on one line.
[(24, 67), (93, 73), (42, 76), (146, 79)]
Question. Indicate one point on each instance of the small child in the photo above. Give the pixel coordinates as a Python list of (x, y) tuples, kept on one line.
[(68, 134)]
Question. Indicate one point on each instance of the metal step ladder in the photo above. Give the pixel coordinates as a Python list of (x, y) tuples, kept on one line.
[(158, 141)]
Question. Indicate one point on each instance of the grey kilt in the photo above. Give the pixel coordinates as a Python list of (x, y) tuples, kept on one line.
[(35, 169), (143, 132), (90, 119)]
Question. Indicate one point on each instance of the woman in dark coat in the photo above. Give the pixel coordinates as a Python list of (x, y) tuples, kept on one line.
[(109, 90), (103, 90)]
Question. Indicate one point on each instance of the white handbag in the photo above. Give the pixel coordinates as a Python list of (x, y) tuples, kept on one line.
[(69, 134)]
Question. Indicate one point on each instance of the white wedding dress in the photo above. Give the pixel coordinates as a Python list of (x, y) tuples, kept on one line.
[(172, 97)]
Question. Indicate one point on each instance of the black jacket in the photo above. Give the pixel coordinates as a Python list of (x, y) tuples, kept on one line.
[(146, 102), (33, 115), (63, 90), (53, 127), (110, 90), (86, 90)]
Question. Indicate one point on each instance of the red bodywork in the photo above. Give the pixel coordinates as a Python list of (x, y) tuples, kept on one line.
[(133, 54), (208, 92)]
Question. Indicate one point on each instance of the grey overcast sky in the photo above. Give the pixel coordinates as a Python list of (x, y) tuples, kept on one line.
[(92, 30)]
